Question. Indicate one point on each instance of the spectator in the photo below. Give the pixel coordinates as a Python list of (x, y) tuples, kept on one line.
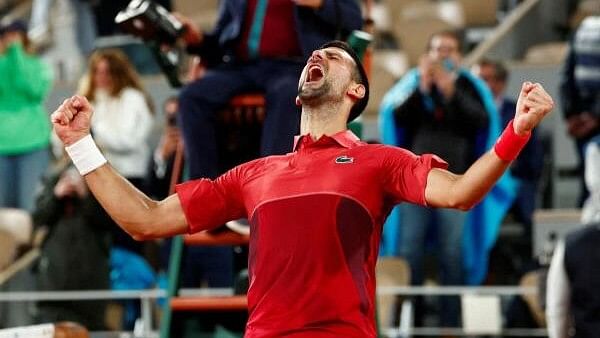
[(122, 120), (162, 161), (212, 266), (438, 108), (580, 87), (25, 127), (84, 26), (572, 297), (256, 46), (332, 194), (75, 254), (527, 168)]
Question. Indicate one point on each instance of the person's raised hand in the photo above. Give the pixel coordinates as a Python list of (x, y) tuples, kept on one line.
[(191, 35), (72, 119), (426, 68), (444, 81), (533, 105), (169, 141)]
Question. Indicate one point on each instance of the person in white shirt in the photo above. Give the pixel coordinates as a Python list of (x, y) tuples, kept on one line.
[(123, 112), (572, 298), (123, 120)]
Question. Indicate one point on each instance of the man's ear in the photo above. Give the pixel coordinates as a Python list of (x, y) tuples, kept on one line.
[(356, 91), (298, 102)]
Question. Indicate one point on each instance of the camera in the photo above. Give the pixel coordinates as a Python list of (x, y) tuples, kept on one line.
[(157, 27)]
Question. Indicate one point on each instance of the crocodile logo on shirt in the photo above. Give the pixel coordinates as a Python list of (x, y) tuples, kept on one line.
[(344, 159)]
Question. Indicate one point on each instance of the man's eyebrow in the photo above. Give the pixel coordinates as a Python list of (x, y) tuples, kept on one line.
[(333, 51), (342, 54)]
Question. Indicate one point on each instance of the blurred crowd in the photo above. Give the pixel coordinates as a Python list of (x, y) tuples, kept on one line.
[(440, 106)]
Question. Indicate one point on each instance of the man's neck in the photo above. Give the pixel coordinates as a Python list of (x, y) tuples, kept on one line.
[(320, 121)]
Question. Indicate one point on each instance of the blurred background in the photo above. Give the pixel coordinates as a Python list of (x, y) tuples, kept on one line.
[(530, 38)]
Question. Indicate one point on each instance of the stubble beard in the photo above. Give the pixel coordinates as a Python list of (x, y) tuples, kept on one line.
[(315, 96)]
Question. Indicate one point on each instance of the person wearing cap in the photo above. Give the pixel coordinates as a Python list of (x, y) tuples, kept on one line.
[(316, 214), (24, 123)]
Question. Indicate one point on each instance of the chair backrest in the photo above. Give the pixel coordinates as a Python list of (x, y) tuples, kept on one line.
[(480, 13), (390, 271), (386, 68), (532, 279), (202, 12), (395, 8), (8, 249), (17, 222), (414, 34), (550, 53)]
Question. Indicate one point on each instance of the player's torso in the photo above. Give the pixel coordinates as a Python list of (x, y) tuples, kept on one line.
[(315, 220)]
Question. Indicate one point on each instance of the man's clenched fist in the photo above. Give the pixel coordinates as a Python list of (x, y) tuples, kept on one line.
[(532, 106), (72, 118)]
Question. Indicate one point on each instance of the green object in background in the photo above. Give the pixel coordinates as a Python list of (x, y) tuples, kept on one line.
[(174, 269), (356, 127), (359, 41), (256, 28)]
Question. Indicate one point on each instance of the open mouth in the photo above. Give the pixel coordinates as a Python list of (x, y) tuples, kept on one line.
[(315, 74)]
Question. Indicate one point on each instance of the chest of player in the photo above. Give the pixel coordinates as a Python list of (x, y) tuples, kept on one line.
[(336, 171)]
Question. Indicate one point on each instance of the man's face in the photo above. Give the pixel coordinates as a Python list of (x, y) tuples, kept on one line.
[(445, 47), (326, 76), (102, 77), (488, 74)]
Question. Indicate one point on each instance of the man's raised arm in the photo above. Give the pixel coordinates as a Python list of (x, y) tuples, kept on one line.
[(140, 216), (447, 190)]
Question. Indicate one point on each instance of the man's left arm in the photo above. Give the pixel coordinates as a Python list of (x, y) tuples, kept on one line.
[(447, 190)]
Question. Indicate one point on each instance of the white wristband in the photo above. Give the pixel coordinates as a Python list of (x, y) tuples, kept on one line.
[(85, 155)]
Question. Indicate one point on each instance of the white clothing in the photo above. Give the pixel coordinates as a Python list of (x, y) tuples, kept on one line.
[(558, 295), (121, 126), (591, 208)]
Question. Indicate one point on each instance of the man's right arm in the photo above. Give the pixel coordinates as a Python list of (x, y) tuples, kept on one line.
[(137, 214), (140, 216)]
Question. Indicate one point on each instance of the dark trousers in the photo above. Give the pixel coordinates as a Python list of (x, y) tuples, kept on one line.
[(201, 100)]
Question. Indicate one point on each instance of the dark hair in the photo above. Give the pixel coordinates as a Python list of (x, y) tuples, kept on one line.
[(18, 26), (500, 71), (359, 75), (447, 33), (14, 26)]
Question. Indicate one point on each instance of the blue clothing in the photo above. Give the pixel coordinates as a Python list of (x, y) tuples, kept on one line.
[(483, 222), (417, 222), (276, 78), (20, 176), (580, 86), (581, 258), (580, 83), (200, 101), (335, 19)]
